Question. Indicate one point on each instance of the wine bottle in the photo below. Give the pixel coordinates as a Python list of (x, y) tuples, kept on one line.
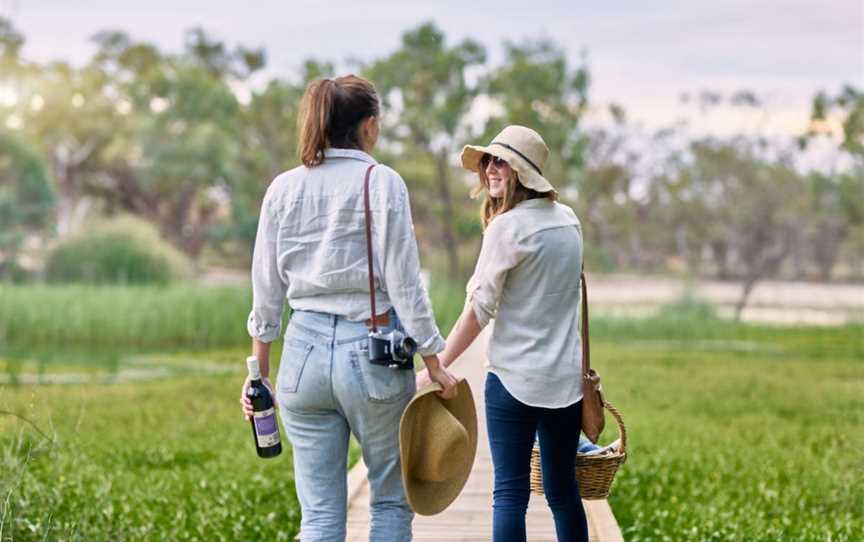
[(265, 430)]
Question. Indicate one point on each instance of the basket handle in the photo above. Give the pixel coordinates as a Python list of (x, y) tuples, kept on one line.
[(622, 431)]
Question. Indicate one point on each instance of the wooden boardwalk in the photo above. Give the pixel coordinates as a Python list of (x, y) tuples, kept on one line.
[(469, 518)]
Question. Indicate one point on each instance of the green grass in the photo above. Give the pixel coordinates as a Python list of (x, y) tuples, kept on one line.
[(762, 443), (184, 315), (139, 316), (737, 432), (163, 460)]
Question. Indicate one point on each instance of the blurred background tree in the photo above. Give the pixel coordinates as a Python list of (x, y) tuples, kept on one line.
[(425, 86), (26, 200), (188, 141)]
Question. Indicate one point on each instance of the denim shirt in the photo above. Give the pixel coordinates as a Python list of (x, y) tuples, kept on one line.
[(311, 249), (527, 278)]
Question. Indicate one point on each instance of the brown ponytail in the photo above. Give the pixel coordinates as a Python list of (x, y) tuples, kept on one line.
[(330, 115)]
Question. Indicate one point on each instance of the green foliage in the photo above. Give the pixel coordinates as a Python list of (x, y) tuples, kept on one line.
[(748, 211), (169, 316), (689, 308), (188, 142), (161, 460), (537, 88), (122, 250), (849, 104), (426, 85), (26, 198), (738, 440), (149, 316), (448, 300)]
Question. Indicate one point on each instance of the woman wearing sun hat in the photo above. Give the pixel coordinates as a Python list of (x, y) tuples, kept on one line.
[(527, 278)]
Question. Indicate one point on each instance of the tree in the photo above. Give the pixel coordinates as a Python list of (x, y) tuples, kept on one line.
[(536, 87), (622, 216), (751, 207), (425, 88), (11, 42), (26, 198), (174, 134), (833, 212), (837, 199)]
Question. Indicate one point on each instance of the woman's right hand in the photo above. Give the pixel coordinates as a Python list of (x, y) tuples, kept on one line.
[(422, 379), (440, 375)]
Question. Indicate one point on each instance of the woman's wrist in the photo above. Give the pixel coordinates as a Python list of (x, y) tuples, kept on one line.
[(444, 359), (432, 362)]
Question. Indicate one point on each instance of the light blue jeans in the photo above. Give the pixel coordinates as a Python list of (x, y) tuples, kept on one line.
[(327, 390)]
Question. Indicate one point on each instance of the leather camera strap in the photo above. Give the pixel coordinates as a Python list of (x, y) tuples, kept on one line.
[(369, 247)]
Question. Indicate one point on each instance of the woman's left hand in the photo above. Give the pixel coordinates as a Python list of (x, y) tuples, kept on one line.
[(246, 404)]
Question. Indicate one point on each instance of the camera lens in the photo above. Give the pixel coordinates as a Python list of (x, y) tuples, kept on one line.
[(406, 348)]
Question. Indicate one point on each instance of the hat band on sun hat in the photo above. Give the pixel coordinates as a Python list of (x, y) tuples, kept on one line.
[(506, 146)]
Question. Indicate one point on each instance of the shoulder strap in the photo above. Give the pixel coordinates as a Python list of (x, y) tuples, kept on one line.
[(586, 346), (369, 246)]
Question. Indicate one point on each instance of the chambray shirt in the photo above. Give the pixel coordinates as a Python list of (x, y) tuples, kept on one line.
[(311, 249), (527, 278)]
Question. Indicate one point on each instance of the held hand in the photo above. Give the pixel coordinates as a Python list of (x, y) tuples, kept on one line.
[(423, 379), (246, 404), (447, 381)]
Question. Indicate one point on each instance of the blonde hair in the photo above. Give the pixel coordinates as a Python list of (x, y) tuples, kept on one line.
[(330, 116), (515, 193)]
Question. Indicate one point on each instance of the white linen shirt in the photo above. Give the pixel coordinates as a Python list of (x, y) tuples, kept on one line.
[(311, 249), (527, 278)]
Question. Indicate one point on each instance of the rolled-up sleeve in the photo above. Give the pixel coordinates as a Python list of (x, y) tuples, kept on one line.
[(499, 253), (268, 286), (400, 264)]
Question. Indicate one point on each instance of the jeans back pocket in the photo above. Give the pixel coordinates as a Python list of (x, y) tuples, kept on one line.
[(295, 353), (381, 384)]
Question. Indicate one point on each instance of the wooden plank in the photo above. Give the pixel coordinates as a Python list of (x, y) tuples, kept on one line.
[(602, 521)]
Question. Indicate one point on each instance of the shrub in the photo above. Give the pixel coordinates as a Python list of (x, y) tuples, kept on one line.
[(688, 308), (124, 250)]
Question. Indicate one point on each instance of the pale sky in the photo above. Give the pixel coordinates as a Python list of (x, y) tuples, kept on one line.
[(642, 54)]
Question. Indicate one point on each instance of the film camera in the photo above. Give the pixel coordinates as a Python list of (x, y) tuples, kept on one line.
[(393, 349)]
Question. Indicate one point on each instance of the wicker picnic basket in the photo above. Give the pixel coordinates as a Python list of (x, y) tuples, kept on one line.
[(594, 472)]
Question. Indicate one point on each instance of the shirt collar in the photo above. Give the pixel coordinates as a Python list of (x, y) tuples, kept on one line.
[(354, 154), (534, 203)]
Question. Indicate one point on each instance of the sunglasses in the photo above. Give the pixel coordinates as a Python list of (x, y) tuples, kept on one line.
[(496, 161)]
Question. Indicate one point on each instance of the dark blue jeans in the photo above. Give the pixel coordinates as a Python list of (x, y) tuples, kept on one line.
[(512, 426)]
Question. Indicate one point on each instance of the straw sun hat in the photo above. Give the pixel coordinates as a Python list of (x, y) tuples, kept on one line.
[(437, 444), (522, 148)]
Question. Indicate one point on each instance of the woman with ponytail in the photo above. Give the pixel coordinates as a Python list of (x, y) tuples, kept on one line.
[(311, 250)]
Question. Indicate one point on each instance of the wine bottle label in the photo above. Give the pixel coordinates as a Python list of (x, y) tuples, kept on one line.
[(266, 429)]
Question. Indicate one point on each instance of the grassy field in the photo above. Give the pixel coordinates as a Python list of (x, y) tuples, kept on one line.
[(185, 316), (737, 432), (739, 441)]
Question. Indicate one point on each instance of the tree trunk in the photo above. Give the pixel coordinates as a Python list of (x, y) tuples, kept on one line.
[(130, 196), (720, 252), (747, 289), (826, 248), (68, 196), (448, 216), (763, 266)]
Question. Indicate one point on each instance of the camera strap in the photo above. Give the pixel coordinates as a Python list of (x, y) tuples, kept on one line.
[(369, 247)]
